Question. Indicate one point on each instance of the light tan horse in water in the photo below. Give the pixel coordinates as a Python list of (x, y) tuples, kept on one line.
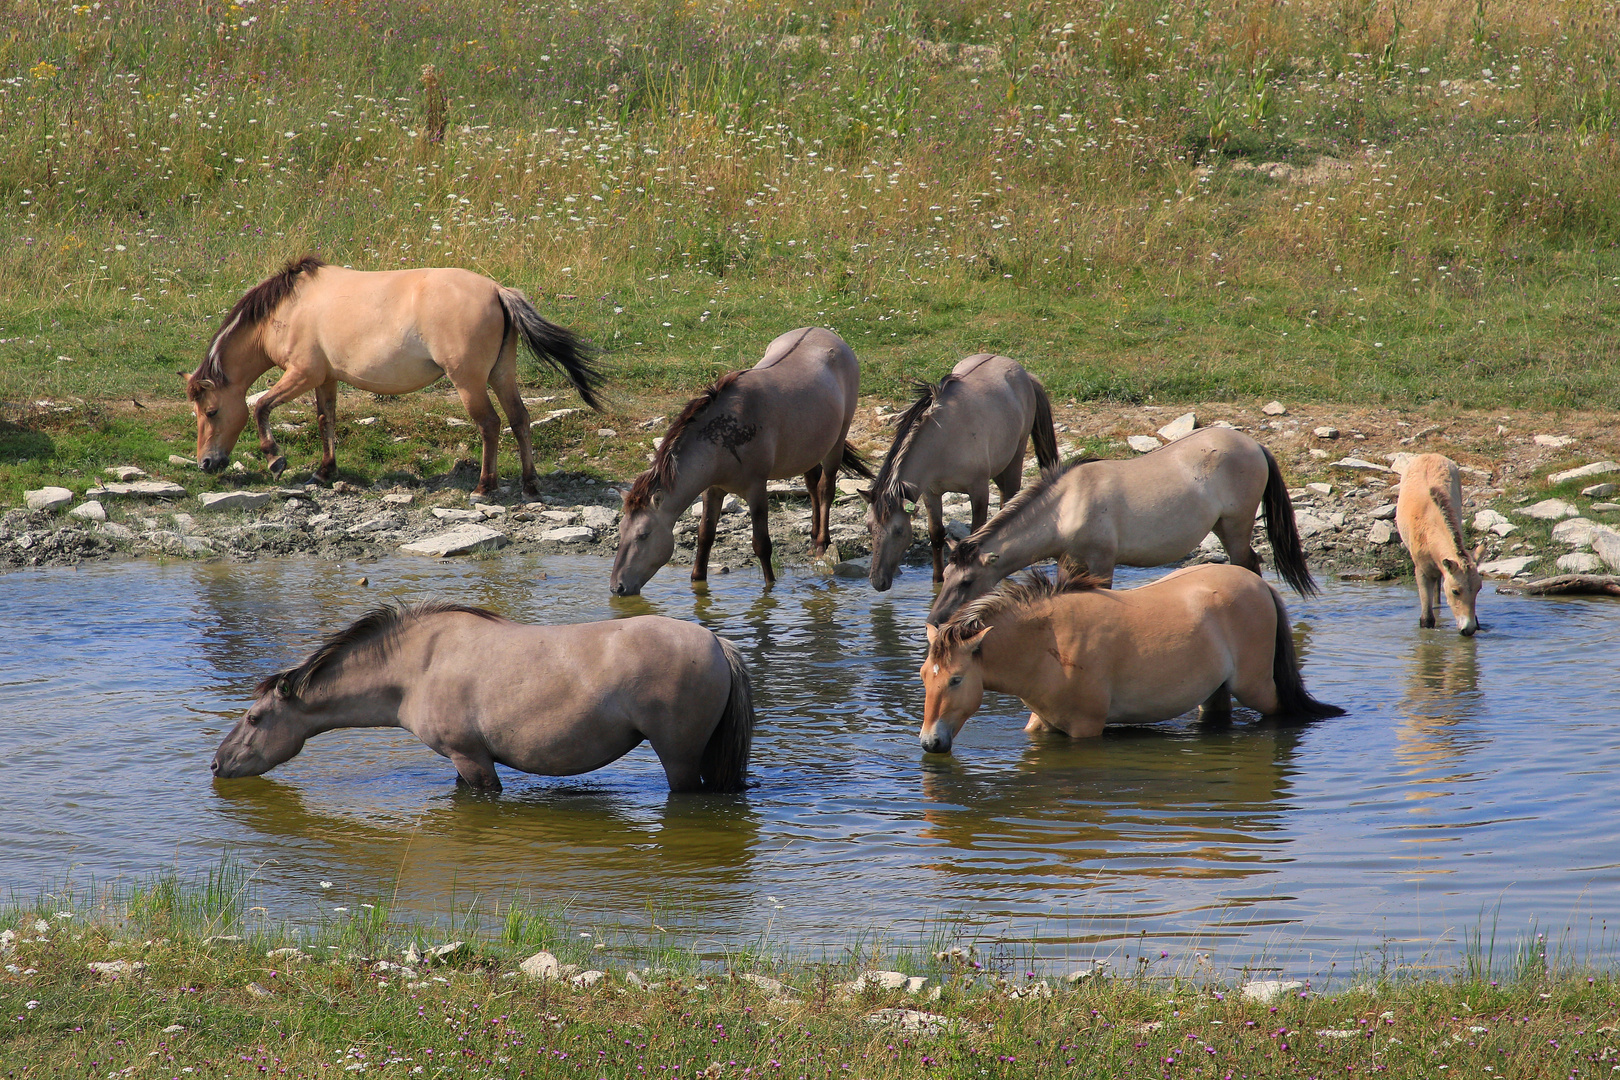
[(1144, 511), (553, 700), (1428, 517), (389, 332), (1081, 656), (970, 429), (786, 416)]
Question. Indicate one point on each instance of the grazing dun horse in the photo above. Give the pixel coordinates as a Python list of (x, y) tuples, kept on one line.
[(1427, 516), (389, 332), (971, 428), (1081, 656), (786, 416), (553, 700), (1144, 511)]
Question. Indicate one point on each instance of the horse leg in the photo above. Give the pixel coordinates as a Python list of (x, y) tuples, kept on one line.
[(1429, 598), (476, 770), (1036, 724), (1010, 479), (326, 411), (1236, 534), (712, 498), (476, 400), (1216, 711), (936, 533), (759, 507), (828, 483), (293, 382), (812, 484), (503, 380)]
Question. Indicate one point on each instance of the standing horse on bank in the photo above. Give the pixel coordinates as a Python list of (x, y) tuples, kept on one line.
[(481, 691), (389, 332), (1081, 656), (1144, 511), (959, 435), (788, 415)]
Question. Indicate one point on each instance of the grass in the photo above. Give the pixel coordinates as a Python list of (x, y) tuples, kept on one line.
[(209, 1001)]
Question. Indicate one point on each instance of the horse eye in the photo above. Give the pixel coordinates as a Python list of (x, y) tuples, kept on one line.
[(210, 413), (643, 534), (956, 680)]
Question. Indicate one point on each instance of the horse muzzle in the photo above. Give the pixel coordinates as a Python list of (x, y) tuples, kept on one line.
[(212, 463), (937, 741)]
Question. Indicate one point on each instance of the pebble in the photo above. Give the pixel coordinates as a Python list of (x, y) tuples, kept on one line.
[(114, 530), (176, 459), (586, 979), (1320, 489), (1549, 510), (399, 498), (1319, 454), (233, 500), (1264, 990), (47, 498), (1326, 433), (1142, 444), (1597, 468), (452, 513), (771, 987), (1179, 428), (1381, 533), (115, 969), (379, 523), (1274, 408), (125, 472), (606, 433), (1386, 512), (1509, 568), (1360, 465), (462, 540), (571, 534), (541, 966), (89, 511), (922, 1023), (599, 518), (1488, 517), (1554, 442)]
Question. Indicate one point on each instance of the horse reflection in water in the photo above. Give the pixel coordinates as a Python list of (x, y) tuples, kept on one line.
[(1442, 695), (578, 842)]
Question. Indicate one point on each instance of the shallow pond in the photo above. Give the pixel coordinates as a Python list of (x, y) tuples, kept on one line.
[(1471, 784)]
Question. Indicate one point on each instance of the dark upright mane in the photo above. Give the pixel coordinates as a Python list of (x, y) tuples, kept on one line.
[(661, 474), (374, 627), (1012, 596), (1442, 499), (968, 549), (255, 306), (887, 492)]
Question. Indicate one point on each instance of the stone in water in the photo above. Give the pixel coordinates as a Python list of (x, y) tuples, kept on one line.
[(458, 541)]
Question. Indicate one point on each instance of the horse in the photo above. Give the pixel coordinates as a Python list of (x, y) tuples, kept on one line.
[(788, 415), (389, 332), (1082, 656), (1427, 517), (970, 428), (1144, 511), (479, 690)]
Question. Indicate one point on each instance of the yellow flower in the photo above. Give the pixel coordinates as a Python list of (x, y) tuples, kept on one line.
[(43, 70)]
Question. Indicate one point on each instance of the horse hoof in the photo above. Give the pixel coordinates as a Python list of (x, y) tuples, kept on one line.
[(278, 466)]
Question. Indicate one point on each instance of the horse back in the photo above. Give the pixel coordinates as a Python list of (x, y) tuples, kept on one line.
[(1428, 510), (800, 397), (981, 420)]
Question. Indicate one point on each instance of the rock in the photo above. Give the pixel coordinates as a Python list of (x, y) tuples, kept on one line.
[(379, 523), (1179, 428), (1605, 507), (769, 986), (559, 517), (115, 969), (125, 472), (1326, 433), (1274, 408), (1381, 533), (852, 568), (399, 498), (140, 489), (542, 966), (440, 953), (452, 513), (1264, 990), (571, 534), (115, 531), (600, 518), (1318, 454), (957, 529), (1597, 468), (174, 1029), (462, 540), (1509, 568), (1320, 489), (606, 433), (1358, 465), (456, 421), (1080, 975), (1600, 491), (1504, 528), (554, 414), (1488, 517), (587, 979), (491, 510), (1399, 461), (1549, 510), (1385, 512), (1578, 531), (234, 500), (1554, 442), (89, 511), (291, 953), (1607, 546), (258, 991), (881, 980), (1142, 444), (47, 498), (366, 421), (1310, 524), (922, 1023), (850, 485), (731, 504), (176, 459), (1580, 562)]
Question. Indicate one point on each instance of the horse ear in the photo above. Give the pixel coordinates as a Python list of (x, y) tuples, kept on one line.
[(868, 494), (975, 644), (1478, 553), (933, 632)]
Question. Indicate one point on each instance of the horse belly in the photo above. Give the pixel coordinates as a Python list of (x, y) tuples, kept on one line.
[(388, 367), (548, 742)]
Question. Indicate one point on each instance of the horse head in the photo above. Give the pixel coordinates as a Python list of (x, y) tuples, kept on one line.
[(889, 522), (222, 413), (269, 733), (953, 685), (1461, 580), (646, 542), (972, 573)]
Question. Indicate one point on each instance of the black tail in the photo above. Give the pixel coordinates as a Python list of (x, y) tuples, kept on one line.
[(1283, 533), (1043, 434), (1293, 701), (725, 759), (554, 345), (855, 462)]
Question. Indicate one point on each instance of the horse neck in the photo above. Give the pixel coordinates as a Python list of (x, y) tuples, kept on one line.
[(362, 692), (244, 358), (695, 470), (1028, 536), (1013, 652)]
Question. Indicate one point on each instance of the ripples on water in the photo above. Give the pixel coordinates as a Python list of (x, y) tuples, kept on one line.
[(1470, 782)]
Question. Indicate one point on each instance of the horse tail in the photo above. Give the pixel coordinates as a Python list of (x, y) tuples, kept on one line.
[(1043, 434), (1283, 532), (855, 462), (1293, 700), (553, 345), (725, 759)]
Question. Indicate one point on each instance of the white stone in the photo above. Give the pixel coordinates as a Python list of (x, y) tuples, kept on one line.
[(1597, 468), (399, 498), (440, 953), (543, 966), (554, 414), (1607, 545), (606, 433), (1381, 533), (1326, 432), (456, 421), (140, 489), (234, 500), (292, 953), (1504, 528), (379, 523), (910, 1020), (559, 517), (115, 531), (1488, 517), (1321, 489), (1385, 512), (1580, 562), (569, 534), (47, 498), (462, 540), (1399, 461), (769, 986), (1509, 568), (1554, 442), (491, 510), (1274, 408), (732, 504), (1606, 507), (115, 969), (176, 459), (1549, 510), (587, 979), (125, 472), (453, 513), (1360, 465), (599, 518), (1309, 524), (90, 511), (882, 980), (1318, 454), (1179, 428), (1264, 990), (1142, 444), (366, 421), (1600, 491), (1577, 531), (850, 485)]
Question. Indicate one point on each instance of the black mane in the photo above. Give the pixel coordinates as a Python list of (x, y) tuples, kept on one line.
[(377, 624)]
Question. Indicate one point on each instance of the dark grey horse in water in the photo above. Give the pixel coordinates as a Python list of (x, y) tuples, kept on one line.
[(971, 428), (553, 700)]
